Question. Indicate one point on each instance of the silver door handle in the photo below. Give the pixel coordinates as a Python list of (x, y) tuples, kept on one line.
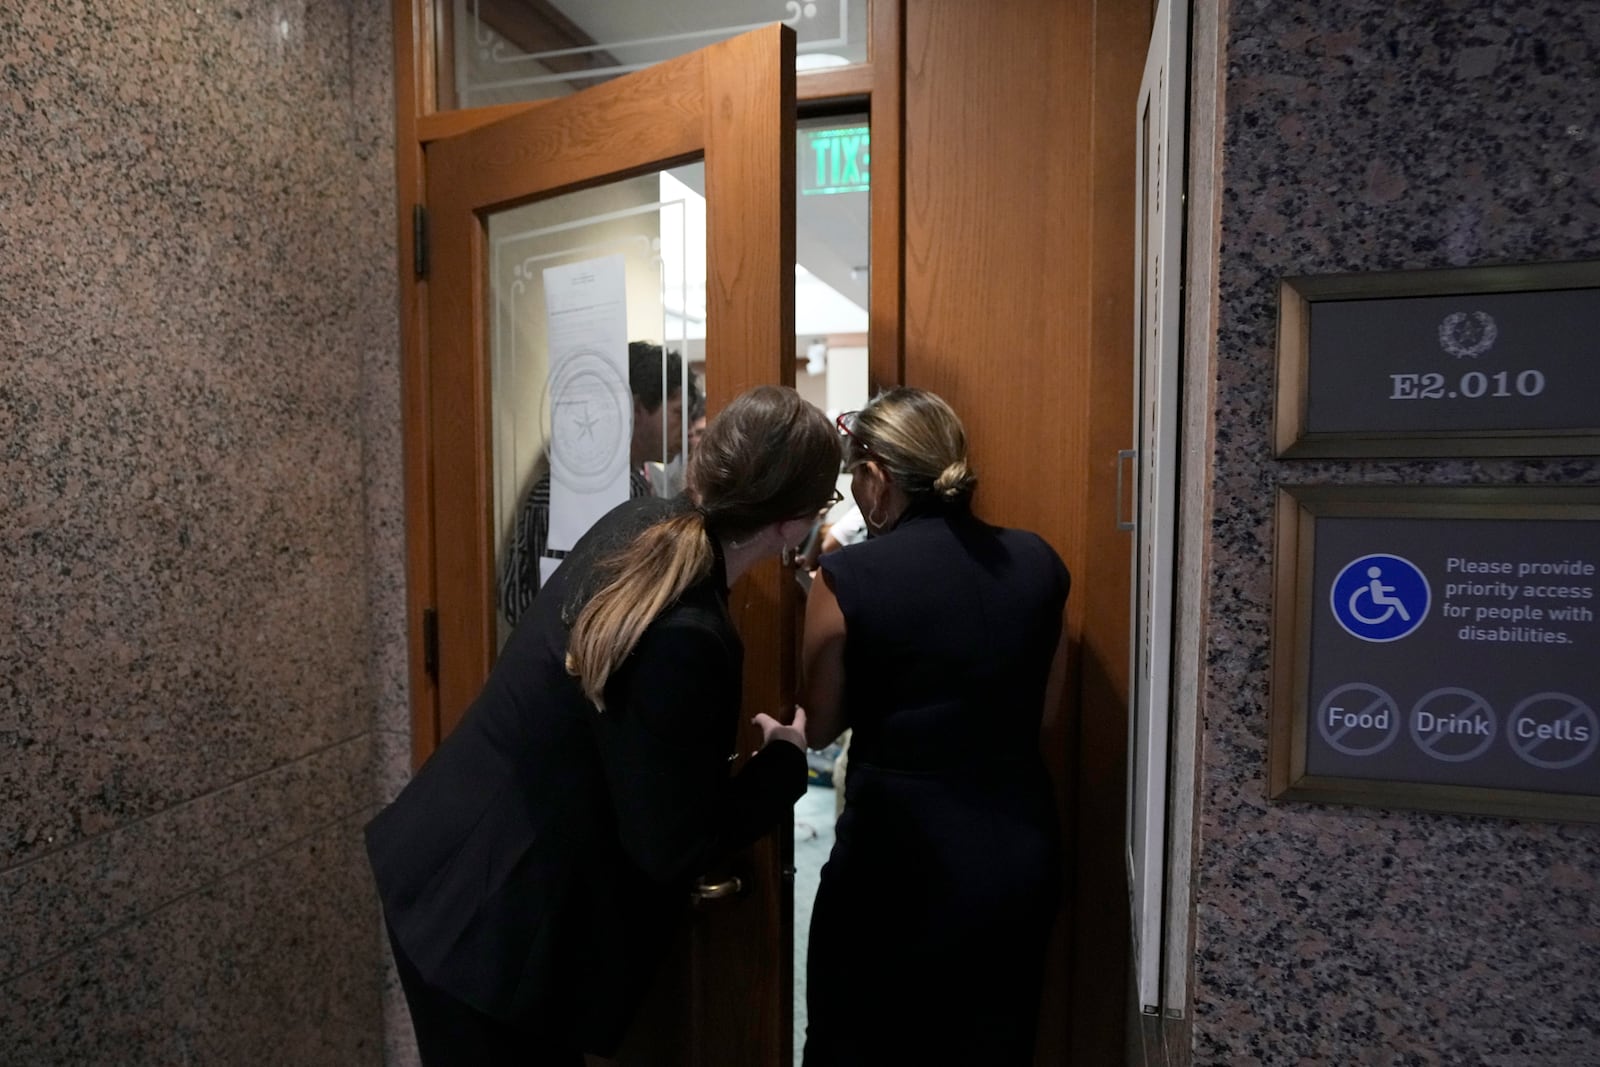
[(1123, 455)]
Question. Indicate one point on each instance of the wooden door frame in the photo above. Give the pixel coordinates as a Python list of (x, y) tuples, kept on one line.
[(878, 85), (730, 104), (1087, 997)]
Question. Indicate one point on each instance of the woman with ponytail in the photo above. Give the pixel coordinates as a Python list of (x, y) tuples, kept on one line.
[(937, 641), (532, 871)]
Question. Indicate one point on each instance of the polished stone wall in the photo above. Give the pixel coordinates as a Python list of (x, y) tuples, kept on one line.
[(201, 633), (1365, 135)]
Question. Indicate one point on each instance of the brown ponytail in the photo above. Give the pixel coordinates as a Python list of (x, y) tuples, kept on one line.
[(650, 573)]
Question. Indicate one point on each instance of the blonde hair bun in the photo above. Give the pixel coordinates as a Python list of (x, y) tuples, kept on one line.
[(955, 481), (919, 439)]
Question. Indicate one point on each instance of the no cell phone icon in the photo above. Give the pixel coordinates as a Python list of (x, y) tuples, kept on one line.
[(1553, 731)]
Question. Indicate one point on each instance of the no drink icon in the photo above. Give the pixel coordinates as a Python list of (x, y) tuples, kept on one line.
[(1453, 725)]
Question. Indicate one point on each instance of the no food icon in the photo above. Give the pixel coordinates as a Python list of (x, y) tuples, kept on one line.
[(1358, 719)]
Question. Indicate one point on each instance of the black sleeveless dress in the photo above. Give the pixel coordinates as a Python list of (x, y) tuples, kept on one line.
[(933, 914)]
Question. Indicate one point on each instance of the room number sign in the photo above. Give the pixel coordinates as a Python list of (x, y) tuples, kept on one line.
[(1479, 361)]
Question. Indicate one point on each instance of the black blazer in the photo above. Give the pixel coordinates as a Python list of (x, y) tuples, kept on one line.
[(533, 868)]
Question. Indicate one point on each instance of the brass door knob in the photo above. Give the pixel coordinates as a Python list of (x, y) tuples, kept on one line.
[(704, 890)]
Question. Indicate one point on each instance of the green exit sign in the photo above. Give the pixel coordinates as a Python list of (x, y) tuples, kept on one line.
[(835, 161)]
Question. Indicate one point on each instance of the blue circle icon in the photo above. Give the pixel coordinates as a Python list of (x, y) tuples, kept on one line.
[(1380, 597)]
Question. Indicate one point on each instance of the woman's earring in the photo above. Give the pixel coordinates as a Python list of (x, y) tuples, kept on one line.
[(874, 519)]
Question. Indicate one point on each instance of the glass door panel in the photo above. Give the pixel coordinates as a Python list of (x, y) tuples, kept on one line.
[(597, 362), (506, 51)]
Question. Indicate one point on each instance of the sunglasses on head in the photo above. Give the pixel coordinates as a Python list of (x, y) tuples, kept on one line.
[(845, 422)]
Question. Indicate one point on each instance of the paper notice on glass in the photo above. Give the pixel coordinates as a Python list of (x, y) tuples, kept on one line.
[(591, 407)]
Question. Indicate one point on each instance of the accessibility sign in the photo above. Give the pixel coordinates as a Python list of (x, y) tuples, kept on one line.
[(1380, 597), (1438, 648)]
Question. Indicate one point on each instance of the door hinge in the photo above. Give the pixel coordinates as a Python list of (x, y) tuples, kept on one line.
[(419, 241), (430, 643)]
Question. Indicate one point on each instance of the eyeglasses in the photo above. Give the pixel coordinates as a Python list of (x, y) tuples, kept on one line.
[(826, 506), (823, 508)]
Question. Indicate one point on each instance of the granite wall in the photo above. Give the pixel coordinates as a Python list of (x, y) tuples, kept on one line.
[(201, 630), (1363, 135)]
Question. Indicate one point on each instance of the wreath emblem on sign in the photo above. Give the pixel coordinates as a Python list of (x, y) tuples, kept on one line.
[(1467, 336)]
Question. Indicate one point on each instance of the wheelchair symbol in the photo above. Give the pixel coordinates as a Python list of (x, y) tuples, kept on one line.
[(1380, 597)]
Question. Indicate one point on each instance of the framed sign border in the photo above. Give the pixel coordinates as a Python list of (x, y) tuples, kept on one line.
[(1296, 295), (1298, 509)]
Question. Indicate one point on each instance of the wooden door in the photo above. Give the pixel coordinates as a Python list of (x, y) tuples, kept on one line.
[(731, 105)]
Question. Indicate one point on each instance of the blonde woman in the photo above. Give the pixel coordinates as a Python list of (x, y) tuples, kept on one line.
[(937, 643), (532, 870)]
